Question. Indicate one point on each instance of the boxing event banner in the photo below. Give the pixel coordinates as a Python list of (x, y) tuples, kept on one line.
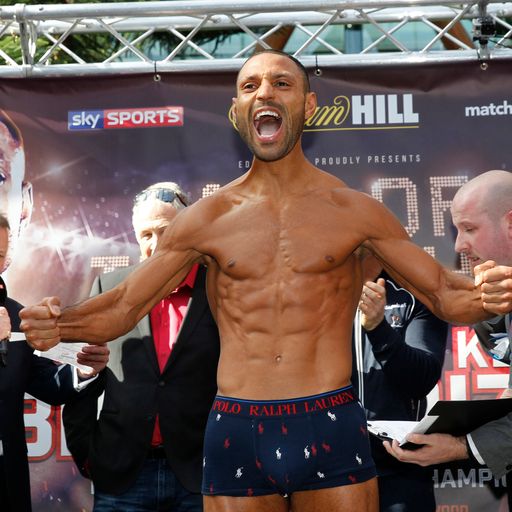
[(409, 136)]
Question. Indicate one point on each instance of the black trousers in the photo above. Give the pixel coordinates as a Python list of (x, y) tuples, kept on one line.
[(4, 497), (407, 491)]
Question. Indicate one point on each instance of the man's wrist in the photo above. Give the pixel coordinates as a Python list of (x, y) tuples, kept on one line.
[(85, 376), (463, 450), (473, 453), (373, 326), (81, 382)]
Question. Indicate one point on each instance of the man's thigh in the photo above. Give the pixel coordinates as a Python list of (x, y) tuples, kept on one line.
[(363, 497), (269, 503)]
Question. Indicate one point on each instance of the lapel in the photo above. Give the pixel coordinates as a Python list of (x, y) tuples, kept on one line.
[(197, 305)]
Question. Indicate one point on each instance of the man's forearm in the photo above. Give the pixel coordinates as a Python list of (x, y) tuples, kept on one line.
[(96, 320), (450, 296)]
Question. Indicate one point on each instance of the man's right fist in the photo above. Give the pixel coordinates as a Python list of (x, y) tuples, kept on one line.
[(39, 323)]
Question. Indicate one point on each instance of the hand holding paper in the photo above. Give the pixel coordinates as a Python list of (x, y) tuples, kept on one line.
[(399, 430), (89, 359), (94, 358), (440, 436), (433, 449)]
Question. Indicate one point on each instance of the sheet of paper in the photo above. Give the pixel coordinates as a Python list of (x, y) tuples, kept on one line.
[(423, 425), (391, 429), (65, 353), (17, 336), (399, 429)]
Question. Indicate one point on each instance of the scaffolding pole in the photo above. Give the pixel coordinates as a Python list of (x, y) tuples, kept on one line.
[(35, 38)]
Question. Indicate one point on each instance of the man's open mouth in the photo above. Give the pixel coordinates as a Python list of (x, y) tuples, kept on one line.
[(267, 123)]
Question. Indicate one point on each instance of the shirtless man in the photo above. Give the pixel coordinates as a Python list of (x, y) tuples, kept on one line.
[(284, 279)]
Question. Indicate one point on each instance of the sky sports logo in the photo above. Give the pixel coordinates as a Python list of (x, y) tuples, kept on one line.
[(153, 117)]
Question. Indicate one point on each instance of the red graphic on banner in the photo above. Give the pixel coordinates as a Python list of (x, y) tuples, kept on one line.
[(143, 117), (474, 373)]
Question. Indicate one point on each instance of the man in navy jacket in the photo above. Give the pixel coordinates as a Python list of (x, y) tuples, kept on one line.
[(399, 351)]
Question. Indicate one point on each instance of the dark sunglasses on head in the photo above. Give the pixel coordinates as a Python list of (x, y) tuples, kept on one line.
[(162, 194)]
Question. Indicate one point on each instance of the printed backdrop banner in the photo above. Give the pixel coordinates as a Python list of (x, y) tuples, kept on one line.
[(409, 136)]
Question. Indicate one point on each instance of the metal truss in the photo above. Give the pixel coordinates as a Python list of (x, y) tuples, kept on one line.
[(34, 39)]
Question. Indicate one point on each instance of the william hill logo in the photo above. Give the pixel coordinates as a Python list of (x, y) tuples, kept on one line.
[(368, 112)]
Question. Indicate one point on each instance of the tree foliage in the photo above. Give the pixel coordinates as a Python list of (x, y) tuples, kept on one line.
[(96, 47)]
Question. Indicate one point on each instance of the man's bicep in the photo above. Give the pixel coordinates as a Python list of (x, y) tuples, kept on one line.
[(187, 230), (155, 278), (385, 237)]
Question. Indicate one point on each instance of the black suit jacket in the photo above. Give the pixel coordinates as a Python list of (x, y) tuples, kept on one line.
[(112, 450), (44, 380), (484, 331)]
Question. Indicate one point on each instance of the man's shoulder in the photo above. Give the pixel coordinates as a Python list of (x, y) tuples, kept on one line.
[(206, 210), (338, 189), (360, 202)]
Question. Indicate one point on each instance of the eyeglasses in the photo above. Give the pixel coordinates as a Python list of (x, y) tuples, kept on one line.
[(162, 194)]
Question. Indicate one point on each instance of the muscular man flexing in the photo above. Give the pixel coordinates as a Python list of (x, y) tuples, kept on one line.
[(282, 245)]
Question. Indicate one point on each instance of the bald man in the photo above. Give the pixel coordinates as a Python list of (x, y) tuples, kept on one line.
[(482, 213)]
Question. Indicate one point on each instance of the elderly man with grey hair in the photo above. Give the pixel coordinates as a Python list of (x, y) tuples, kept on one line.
[(145, 450)]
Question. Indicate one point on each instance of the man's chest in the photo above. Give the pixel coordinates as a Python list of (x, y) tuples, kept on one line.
[(286, 238)]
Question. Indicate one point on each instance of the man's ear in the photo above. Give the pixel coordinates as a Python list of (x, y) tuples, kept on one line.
[(232, 113), (310, 104), (27, 203)]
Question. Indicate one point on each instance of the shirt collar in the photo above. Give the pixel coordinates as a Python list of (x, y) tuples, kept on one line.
[(190, 279)]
